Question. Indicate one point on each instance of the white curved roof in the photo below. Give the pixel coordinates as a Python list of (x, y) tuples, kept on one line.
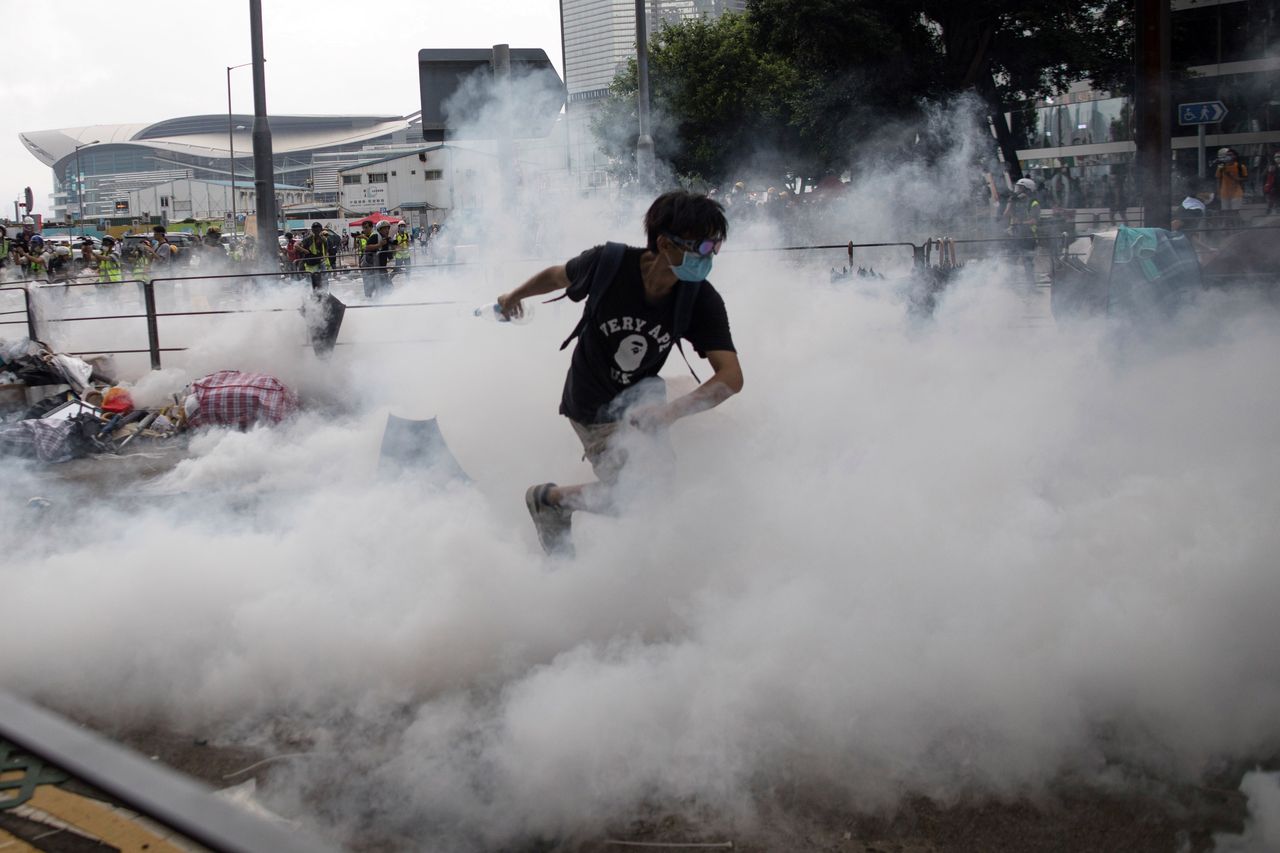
[(206, 135)]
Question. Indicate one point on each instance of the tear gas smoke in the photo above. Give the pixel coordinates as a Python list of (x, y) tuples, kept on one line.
[(1262, 832), (961, 558)]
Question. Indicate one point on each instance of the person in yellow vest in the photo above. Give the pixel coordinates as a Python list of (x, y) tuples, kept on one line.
[(315, 255), (110, 270), (1023, 213), (401, 241), (30, 256), (139, 264)]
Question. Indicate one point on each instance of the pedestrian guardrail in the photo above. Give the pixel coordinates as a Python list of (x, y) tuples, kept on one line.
[(944, 248)]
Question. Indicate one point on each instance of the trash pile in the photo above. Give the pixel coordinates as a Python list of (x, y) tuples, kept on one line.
[(90, 412)]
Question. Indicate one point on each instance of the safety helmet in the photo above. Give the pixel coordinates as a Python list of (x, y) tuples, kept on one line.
[(383, 224), (27, 220), (316, 226), (401, 226), (62, 251), (1025, 184), (37, 241), (108, 241), (1223, 152)]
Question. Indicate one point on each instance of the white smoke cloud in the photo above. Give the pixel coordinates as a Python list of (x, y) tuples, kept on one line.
[(1262, 831), (960, 558)]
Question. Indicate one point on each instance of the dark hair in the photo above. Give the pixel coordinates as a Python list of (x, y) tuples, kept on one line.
[(684, 214), (159, 229)]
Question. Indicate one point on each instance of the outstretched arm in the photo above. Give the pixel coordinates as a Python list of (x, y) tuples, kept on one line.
[(723, 384), (548, 281)]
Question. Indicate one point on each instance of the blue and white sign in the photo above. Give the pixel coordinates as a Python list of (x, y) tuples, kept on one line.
[(1204, 112)]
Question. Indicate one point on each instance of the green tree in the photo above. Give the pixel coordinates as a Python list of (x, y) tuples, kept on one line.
[(716, 101), (798, 85), (860, 64)]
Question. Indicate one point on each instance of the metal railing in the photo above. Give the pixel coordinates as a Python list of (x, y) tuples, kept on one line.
[(151, 313)]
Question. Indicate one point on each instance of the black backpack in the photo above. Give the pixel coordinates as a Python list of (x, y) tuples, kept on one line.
[(606, 271)]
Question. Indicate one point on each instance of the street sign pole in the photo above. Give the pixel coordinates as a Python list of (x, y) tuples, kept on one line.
[(1200, 114), (1200, 164)]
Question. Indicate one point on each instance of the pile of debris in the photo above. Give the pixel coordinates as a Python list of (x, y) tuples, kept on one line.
[(90, 412)]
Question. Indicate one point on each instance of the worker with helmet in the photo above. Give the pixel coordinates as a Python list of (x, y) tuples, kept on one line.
[(22, 241), (315, 255), (29, 253), (110, 270), (1024, 223), (401, 241), (379, 250)]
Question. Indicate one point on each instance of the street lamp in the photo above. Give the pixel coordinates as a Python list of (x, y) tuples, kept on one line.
[(80, 186), (231, 140), (644, 142)]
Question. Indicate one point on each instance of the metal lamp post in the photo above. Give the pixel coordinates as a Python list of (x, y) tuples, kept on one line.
[(644, 142), (80, 186), (231, 144)]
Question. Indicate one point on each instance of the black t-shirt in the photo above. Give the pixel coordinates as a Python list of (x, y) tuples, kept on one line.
[(629, 337)]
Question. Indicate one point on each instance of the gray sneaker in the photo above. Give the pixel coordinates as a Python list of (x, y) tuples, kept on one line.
[(553, 523)]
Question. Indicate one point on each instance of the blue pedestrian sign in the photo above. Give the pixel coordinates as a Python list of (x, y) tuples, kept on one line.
[(1204, 112)]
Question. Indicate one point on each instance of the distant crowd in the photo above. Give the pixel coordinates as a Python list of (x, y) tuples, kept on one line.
[(385, 249)]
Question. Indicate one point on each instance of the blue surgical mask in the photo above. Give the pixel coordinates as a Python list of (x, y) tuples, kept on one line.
[(694, 267)]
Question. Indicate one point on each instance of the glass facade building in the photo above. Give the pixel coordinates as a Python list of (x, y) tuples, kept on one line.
[(95, 168), (1081, 145)]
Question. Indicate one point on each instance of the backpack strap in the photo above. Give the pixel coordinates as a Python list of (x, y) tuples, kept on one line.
[(686, 295), (606, 271)]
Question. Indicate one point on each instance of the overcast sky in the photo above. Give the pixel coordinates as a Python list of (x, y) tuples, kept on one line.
[(142, 62)]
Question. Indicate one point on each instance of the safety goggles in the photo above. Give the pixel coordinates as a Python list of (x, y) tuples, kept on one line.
[(699, 247)]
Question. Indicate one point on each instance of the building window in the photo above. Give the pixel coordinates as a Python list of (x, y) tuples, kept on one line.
[(377, 177), (347, 180), (433, 174), (393, 174), (164, 201), (413, 171)]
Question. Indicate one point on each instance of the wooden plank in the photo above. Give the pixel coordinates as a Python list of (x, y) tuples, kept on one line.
[(101, 821)]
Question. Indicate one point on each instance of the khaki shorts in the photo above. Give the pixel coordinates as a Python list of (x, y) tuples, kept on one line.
[(603, 449)]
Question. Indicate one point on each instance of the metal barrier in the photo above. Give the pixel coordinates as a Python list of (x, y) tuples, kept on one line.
[(151, 313), (44, 752), (28, 319)]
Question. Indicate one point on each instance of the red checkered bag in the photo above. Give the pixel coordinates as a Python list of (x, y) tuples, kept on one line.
[(237, 399)]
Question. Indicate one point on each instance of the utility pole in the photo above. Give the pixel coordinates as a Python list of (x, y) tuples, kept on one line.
[(231, 144), (645, 168), (1153, 111), (501, 61), (264, 183)]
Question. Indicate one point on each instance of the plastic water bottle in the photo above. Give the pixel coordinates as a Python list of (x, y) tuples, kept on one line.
[(493, 311)]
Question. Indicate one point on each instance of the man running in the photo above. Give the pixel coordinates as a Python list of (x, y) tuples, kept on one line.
[(639, 302)]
